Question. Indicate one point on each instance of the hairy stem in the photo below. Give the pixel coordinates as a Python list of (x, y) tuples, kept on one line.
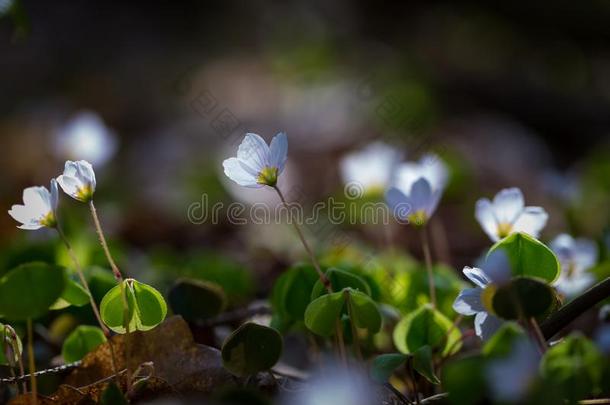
[(32, 363), (428, 258), (562, 318), (85, 284), (325, 281)]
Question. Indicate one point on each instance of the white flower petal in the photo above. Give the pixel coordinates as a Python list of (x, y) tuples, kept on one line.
[(531, 221), (279, 151), (234, 169), (585, 254), (371, 167), (485, 325), (508, 204), (37, 201), (484, 213), (468, 302), (434, 170), (54, 195), (69, 184), (399, 203), (421, 195), (477, 276), (497, 267), (254, 152)]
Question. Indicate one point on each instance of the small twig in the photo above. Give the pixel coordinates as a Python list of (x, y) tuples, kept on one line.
[(434, 398), (25, 377), (574, 309)]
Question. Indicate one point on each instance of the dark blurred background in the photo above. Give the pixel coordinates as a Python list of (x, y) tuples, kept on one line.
[(508, 93)]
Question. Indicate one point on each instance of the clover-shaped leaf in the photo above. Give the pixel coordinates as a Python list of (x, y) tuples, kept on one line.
[(81, 341), (251, 348), (146, 307), (29, 290), (523, 298), (292, 292), (426, 327), (340, 279), (322, 313), (196, 300), (73, 294), (529, 257)]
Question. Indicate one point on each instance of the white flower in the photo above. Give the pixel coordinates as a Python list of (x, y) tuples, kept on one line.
[(78, 180), (38, 209), (86, 137), (371, 167), (469, 301), (257, 164), (576, 257), (334, 386), (511, 378), (507, 214), (418, 185)]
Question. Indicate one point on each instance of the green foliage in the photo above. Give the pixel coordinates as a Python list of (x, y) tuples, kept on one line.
[(8, 341), (464, 380), (426, 327), (523, 298), (146, 307), (292, 292), (340, 279), (501, 343), (81, 341), (251, 348), (574, 366), (323, 313), (73, 294), (196, 300), (529, 257), (29, 290), (384, 365), (423, 363)]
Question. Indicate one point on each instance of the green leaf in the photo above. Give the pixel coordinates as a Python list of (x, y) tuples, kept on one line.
[(73, 294), (501, 343), (112, 395), (292, 292), (426, 326), (251, 348), (575, 366), (384, 365), (29, 290), (365, 312), (465, 380), (340, 279), (322, 313), (196, 300), (81, 341), (523, 297), (146, 307), (7, 353), (529, 257), (424, 365)]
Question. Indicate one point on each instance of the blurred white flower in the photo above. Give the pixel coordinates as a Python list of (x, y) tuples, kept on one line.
[(372, 167), (576, 257), (85, 136), (258, 164), (510, 378), (418, 185), (507, 214), (38, 209), (335, 387), (78, 180), (469, 302)]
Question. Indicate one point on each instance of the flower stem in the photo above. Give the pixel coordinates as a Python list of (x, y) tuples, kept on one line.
[(15, 347), (325, 281), (85, 284), (119, 279), (32, 364), (428, 258), (350, 313)]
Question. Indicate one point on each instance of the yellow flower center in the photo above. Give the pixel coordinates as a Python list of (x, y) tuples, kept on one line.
[(504, 229), (84, 193), (49, 220), (487, 296), (268, 176), (418, 218)]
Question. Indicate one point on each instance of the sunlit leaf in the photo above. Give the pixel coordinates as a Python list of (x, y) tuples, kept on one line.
[(81, 341)]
